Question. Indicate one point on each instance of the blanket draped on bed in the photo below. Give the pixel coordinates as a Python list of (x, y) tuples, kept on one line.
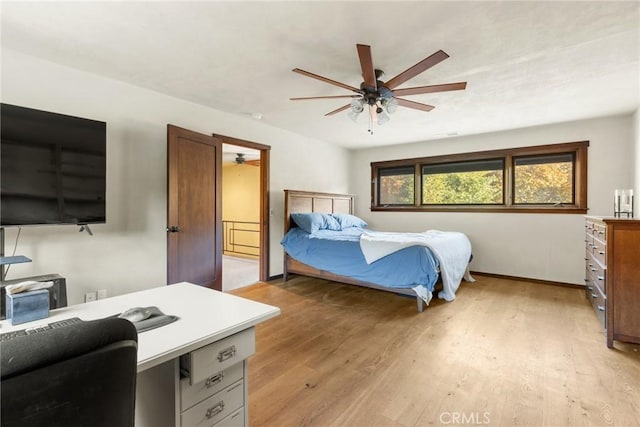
[(452, 249)]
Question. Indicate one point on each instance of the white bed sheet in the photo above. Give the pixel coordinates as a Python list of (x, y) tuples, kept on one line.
[(452, 249)]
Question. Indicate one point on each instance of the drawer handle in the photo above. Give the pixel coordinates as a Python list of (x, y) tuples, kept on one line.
[(600, 278), (213, 380), (593, 269), (594, 296), (227, 353), (601, 307), (590, 288), (215, 410), (601, 252)]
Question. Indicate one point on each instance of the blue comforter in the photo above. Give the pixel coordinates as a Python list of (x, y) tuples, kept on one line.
[(339, 252)]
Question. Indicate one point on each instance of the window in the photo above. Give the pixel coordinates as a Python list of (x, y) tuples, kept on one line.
[(397, 186), (547, 178), (477, 182)]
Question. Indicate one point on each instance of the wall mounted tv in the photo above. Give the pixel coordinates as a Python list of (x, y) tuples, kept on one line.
[(52, 168)]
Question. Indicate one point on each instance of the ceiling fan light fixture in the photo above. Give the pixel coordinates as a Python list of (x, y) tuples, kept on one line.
[(357, 106), (390, 104), (382, 118), (353, 116)]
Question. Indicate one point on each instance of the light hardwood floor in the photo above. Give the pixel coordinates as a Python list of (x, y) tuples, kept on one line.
[(504, 353)]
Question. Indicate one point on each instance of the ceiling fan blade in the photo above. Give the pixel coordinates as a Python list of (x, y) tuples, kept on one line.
[(326, 80), (325, 97), (430, 89), (414, 105), (337, 110), (420, 67), (366, 64)]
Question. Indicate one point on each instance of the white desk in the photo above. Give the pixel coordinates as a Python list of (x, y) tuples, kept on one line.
[(206, 317)]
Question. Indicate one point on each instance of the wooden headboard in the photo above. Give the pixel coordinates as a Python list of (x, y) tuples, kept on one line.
[(309, 201)]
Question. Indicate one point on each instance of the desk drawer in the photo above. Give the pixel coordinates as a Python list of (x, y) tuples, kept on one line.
[(215, 408), (234, 420), (220, 355), (216, 381)]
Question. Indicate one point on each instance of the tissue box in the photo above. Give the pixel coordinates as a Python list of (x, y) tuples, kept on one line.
[(28, 306)]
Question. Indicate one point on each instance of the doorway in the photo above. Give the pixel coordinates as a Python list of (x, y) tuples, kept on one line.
[(245, 207)]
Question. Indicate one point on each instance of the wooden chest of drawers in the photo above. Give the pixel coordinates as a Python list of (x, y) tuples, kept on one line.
[(612, 275)]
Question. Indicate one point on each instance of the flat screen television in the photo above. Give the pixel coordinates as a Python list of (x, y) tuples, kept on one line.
[(52, 168)]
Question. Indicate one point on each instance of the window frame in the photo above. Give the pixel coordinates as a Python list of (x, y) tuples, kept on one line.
[(578, 149)]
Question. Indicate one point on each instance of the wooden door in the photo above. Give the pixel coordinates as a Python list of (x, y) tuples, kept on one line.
[(194, 215)]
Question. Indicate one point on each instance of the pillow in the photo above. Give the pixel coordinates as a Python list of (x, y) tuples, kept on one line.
[(312, 222), (347, 220)]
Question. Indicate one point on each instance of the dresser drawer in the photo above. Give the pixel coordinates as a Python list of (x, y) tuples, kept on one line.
[(589, 226), (216, 408), (588, 241), (600, 231), (599, 250), (598, 301), (597, 273), (216, 381), (220, 355)]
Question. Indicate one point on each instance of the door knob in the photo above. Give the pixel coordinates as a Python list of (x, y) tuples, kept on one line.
[(173, 229)]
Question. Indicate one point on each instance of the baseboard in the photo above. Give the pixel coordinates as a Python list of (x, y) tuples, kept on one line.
[(527, 279), (498, 276)]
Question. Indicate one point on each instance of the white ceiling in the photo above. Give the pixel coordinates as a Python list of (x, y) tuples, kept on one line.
[(526, 63)]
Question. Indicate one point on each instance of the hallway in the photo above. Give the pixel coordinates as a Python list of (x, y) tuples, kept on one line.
[(238, 272)]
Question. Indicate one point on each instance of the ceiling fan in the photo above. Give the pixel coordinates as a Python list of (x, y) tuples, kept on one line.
[(242, 160), (379, 96)]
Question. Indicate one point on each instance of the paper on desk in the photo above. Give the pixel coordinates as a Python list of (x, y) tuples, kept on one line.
[(26, 286)]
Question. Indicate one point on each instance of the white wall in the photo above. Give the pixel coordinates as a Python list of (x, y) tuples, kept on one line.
[(636, 135), (538, 246), (128, 253)]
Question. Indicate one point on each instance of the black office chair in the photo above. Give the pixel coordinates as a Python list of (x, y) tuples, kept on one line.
[(78, 375)]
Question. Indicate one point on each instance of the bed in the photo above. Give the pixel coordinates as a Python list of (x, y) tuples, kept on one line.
[(337, 254)]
